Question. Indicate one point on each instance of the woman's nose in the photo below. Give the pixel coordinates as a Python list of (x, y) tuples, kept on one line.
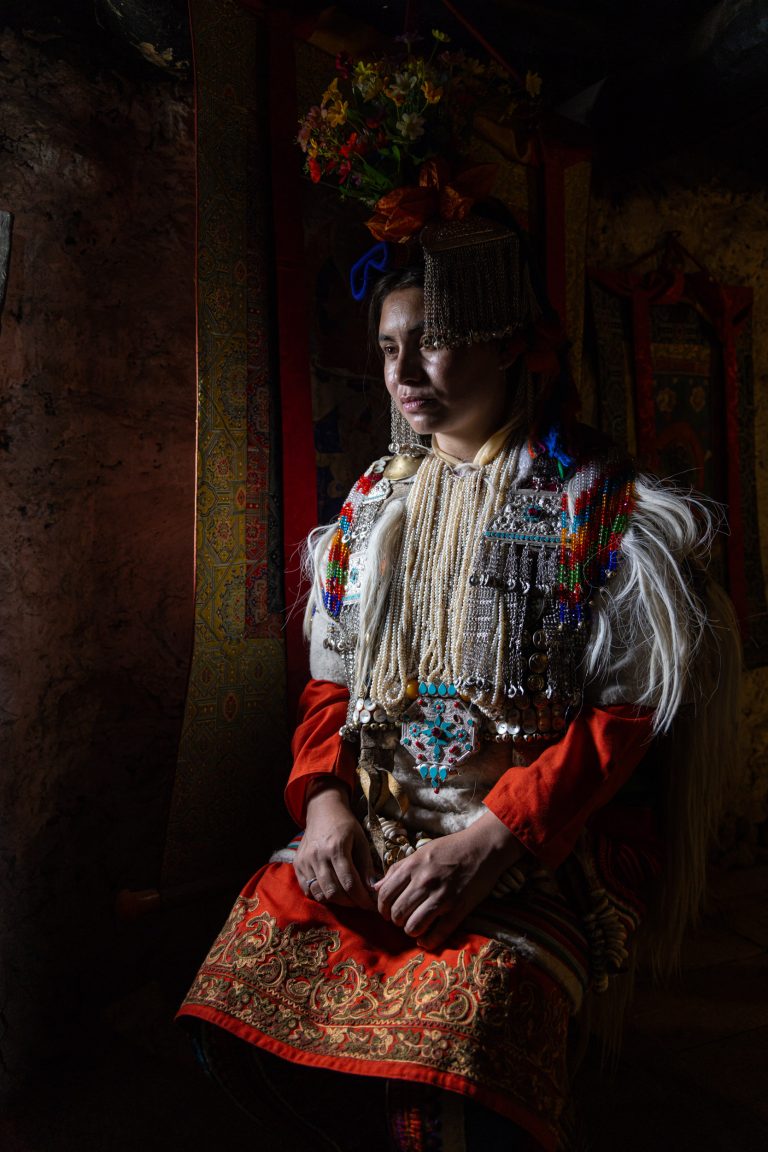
[(408, 366)]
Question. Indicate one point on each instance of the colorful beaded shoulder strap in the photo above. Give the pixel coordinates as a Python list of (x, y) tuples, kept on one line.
[(590, 540), (337, 569)]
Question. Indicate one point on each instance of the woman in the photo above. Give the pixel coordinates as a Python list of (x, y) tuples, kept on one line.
[(481, 840)]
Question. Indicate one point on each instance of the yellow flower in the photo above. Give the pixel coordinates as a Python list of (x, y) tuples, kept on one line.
[(366, 79), (443, 37), (415, 68), (432, 95), (331, 93), (337, 113), (533, 84)]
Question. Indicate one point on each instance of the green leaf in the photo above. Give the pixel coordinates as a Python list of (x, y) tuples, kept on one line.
[(378, 179)]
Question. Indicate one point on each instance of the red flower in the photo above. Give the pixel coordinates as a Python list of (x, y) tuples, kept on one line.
[(342, 65), (354, 146), (315, 171)]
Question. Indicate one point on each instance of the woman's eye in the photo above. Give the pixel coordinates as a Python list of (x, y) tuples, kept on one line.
[(389, 349)]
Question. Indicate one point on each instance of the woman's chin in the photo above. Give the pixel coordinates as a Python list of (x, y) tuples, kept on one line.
[(424, 423)]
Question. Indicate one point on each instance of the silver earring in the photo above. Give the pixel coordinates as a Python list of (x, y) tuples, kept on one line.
[(405, 442)]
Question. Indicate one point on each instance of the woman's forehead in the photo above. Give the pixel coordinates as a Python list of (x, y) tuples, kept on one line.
[(403, 308)]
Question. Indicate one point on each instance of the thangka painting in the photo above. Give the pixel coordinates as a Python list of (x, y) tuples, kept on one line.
[(674, 371)]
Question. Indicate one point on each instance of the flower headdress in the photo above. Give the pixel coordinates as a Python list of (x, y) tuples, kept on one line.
[(395, 133)]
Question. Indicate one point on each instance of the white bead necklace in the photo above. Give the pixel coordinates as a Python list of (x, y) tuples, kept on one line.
[(426, 620)]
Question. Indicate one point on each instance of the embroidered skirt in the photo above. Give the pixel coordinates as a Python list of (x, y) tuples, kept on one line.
[(486, 1015)]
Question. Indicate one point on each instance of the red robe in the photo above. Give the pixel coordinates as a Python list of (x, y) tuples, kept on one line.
[(487, 1014)]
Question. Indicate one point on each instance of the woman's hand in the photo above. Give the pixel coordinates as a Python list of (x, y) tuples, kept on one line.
[(429, 893), (333, 862)]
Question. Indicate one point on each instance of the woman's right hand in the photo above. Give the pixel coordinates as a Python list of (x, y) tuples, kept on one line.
[(333, 861)]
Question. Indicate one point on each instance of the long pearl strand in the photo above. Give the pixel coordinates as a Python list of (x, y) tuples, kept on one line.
[(424, 628)]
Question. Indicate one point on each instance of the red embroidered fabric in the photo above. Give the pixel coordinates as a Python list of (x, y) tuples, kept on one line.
[(343, 989), (487, 1014)]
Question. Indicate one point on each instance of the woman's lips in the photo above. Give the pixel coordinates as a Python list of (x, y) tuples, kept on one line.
[(414, 404)]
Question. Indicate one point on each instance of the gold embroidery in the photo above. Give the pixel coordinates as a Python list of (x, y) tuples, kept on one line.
[(483, 1018)]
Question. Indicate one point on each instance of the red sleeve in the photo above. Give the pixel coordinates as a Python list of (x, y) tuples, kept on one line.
[(316, 746), (547, 803)]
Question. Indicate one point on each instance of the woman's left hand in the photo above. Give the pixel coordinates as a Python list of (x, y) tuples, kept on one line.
[(430, 892)]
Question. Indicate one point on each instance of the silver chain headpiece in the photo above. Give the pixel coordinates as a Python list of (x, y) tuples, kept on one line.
[(477, 284)]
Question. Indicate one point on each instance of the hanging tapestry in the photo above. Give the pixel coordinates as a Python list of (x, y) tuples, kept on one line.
[(673, 361), (234, 745)]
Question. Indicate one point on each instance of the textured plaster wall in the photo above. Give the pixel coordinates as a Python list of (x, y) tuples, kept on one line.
[(97, 417), (725, 226)]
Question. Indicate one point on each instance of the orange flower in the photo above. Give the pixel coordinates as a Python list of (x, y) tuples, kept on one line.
[(432, 95)]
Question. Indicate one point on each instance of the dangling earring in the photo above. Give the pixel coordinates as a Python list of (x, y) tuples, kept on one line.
[(405, 442)]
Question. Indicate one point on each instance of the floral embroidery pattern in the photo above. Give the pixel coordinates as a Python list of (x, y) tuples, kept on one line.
[(485, 1018)]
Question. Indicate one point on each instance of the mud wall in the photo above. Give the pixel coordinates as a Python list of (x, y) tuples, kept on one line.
[(97, 408)]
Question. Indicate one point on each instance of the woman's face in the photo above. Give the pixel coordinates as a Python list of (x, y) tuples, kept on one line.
[(459, 395)]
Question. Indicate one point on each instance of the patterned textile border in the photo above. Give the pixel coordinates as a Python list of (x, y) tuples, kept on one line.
[(480, 1020), (236, 697)]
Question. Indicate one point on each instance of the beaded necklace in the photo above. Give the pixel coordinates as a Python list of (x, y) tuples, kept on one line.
[(489, 601), (421, 638)]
